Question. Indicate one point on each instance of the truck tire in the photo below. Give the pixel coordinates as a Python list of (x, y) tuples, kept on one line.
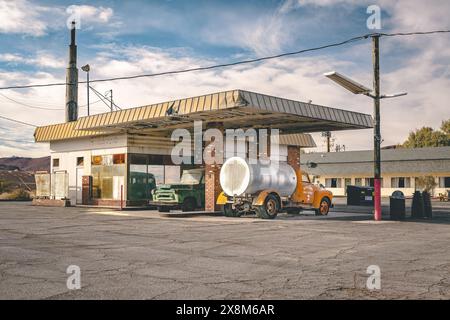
[(189, 204), (269, 209), (228, 211), (324, 207), (163, 209)]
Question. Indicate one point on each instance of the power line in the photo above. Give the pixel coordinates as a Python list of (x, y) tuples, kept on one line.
[(14, 140), (18, 121), (354, 39), (41, 108), (27, 105), (413, 33), (195, 69)]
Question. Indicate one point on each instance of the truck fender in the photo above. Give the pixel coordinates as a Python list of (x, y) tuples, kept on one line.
[(222, 198), (318, 196), (259, 199)]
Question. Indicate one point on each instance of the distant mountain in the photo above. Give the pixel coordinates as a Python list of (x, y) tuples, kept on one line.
[(25, 164)]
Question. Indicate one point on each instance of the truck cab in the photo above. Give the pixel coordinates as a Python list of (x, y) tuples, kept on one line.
[(188, 194)]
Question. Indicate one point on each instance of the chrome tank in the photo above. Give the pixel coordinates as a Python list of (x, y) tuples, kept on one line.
[(238, 177)]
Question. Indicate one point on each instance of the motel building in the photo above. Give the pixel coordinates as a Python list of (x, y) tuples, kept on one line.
[(400, 169), (116, 158)]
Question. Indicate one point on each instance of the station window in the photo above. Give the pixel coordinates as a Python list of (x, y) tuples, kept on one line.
[(108, 172), (119, 158), (358, 182), (80, 161), (55, 162)]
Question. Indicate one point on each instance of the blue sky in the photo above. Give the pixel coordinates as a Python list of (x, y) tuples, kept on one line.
[(132, 37)]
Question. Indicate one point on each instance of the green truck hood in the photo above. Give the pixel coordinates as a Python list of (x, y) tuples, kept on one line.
[(178, 186)]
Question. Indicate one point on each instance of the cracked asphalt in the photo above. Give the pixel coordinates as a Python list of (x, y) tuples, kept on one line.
[(143, 255)]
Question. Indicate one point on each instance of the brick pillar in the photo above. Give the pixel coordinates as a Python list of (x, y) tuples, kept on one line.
[(212, 178), (293, 157)]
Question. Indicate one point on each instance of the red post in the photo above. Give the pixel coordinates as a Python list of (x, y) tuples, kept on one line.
[(377, 200), (121, 197)]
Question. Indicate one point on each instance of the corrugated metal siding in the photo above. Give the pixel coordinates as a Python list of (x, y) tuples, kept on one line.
[(301, 140), (276, 104), (62, 131)]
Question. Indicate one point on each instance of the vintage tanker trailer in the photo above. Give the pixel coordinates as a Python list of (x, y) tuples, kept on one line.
[(268, 189)]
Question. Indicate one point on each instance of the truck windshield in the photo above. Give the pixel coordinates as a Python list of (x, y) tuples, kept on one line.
[(191, 177)]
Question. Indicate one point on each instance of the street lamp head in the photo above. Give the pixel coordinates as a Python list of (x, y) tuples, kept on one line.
[(347, 83), (86, 68)]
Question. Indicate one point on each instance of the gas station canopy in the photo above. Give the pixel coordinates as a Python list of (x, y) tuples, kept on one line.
[(233, 109)]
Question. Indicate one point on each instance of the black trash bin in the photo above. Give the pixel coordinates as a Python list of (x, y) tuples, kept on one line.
[(417, 207), (428, 211), (359, 196), (397, 205)]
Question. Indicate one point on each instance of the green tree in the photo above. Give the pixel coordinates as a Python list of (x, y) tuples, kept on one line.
[(426, 183), (445, 127), (427, 137)]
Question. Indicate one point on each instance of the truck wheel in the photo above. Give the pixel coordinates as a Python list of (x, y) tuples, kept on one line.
[(189, 204), (324, 207), (163, 209), (228, 211), (270, 208)]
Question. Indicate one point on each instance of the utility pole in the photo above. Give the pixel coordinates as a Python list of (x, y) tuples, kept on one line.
[(376, 127), (327, 135), (328, 141), (111, 100), (357, 88), (72, 79)]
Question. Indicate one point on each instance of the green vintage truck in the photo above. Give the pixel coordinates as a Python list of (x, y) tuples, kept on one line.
[(187, 195)]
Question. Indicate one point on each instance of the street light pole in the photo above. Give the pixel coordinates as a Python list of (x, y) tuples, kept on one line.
[(376, 127), (357, 88), (87, 92), (86, 69)]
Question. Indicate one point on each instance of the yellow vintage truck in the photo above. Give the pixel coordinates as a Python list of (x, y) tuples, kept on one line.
[(268, 189)]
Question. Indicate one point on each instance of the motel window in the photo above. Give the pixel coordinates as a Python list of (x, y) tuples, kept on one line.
[(444, 182), (401, 182), (333, 182), (80, 161), (347, 182), (56, 162), (368, 182), (358, 182)]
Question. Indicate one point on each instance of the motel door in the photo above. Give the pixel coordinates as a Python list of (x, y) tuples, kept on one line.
[(79, 186)]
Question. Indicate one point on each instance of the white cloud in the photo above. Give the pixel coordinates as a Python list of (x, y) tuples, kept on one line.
[(91, 14), (423, 72), (22, 16), (41, 59), (29, 18)]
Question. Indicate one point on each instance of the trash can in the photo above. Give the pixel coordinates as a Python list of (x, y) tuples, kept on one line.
[(417, 207), (397, 205), (428, 211), (359, 196)]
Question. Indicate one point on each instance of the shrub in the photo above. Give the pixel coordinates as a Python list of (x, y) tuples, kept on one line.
[(19, 194)]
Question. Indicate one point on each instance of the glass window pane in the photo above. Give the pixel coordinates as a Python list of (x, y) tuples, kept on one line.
[(158, 172), (172, 174)]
